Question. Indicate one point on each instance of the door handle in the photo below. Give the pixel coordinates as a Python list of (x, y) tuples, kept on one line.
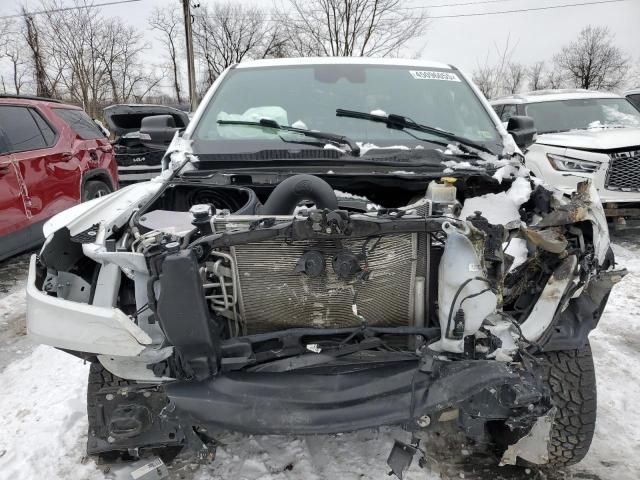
[(4, 169), (66, 156)]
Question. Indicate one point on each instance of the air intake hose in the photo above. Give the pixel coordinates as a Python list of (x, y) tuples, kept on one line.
[(289, 193)]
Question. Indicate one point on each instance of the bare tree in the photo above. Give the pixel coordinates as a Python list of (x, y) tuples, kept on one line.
[(15, 52), (169, 23), (120, 56), (514, 77), (351, 27), (490, 77), (555, 79), (228, 33), (536, 76), (593, 60), (32, 36), (100, 61)]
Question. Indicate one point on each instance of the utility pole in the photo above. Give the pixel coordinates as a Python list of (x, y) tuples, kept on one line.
[(186, 7)]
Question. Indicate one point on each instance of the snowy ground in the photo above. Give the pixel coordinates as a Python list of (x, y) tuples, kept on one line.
[(43, 418)]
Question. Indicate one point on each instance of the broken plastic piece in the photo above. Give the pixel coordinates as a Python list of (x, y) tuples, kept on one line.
[(400, 458)]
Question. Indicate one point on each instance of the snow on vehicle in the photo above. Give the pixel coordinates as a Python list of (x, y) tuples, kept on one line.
[(355, 243), (582, 135)]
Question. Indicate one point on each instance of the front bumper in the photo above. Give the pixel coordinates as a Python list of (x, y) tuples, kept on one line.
[(79, 326), (353, 398)]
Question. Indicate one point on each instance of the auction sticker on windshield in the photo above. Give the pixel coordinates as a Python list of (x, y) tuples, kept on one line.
[(434, 75)]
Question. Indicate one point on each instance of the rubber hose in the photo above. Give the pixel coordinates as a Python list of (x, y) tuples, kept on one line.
[(289, 193)]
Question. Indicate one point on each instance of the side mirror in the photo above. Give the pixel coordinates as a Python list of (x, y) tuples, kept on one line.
[(157, 131), (523, 131)]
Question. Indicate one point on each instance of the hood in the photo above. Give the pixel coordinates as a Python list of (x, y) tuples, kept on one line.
[(112, 209), (593, 139), (123, 119)]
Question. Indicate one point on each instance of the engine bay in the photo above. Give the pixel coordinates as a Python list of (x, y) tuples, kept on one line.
[(270, 272)]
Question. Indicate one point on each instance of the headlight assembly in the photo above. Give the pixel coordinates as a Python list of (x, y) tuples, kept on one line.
[(569, 164)]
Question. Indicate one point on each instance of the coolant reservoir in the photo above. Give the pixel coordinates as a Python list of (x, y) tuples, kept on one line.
[(444, 192), (463, 299), (443, 196)]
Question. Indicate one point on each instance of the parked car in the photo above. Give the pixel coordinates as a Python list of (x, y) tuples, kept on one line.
[(355, 243), (634, 97), (137, 163), (52, 157), (584, 135)]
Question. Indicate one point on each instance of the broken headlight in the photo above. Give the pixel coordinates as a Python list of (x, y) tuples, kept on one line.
[(569, 164)]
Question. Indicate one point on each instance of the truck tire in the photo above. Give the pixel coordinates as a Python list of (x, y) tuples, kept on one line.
[(94, 189), (571, 378)]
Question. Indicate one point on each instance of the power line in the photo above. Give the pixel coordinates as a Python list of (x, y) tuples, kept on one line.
[(532, 9), (446, 5), (279, 17), (64, 9)]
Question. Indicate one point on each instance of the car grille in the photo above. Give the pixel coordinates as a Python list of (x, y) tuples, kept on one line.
[(624, 171)]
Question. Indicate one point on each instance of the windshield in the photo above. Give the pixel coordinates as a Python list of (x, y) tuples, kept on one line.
[(583, 113), (307, 96)]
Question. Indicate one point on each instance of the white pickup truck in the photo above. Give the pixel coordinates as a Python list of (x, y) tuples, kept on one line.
[(584, 134)]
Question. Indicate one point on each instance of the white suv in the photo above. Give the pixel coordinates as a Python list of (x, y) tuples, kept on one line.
[(584, 134), (634, 97)]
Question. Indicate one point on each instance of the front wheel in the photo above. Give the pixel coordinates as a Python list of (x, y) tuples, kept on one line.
[(571, 377)]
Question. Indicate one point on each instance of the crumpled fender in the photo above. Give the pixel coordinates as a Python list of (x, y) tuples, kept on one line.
[(111, 211)]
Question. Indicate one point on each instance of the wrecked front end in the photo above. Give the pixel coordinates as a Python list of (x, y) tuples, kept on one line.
[(230, 307)]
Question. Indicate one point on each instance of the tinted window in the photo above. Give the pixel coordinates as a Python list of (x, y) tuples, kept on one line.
[(583, 113), (80, 122), (20, 129), (508, 112), (635, 99), (47, 132)]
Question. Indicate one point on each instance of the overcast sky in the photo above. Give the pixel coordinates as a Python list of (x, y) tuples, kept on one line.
[(463, 41)]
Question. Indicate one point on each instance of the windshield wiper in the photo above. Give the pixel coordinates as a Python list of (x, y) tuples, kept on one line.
[(398, 122), (332, 138)]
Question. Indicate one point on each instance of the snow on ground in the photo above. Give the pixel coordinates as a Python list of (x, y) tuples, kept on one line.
[(43, 416)]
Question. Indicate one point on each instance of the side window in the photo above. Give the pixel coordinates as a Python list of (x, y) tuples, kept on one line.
[(46, 130), (4, 142), (498, 109), (508, 112), (80, 122), (20, 129), (635, 99)]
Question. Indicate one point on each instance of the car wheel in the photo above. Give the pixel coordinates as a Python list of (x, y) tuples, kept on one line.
[(95, 189), (571, 378)]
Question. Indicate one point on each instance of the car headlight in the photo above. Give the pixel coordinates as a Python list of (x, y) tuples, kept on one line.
[(569, 164)]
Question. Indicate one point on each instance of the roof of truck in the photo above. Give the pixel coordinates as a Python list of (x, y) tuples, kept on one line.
[(419, 63), (538, 96)]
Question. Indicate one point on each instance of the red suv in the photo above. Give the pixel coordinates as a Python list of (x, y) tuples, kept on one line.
[(52, 156)]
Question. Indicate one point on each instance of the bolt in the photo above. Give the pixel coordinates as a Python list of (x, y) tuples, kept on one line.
[(424, 421), (146, 394), (111, 439), (109, 396)]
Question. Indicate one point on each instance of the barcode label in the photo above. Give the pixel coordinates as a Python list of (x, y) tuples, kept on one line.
[(434, 75)]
